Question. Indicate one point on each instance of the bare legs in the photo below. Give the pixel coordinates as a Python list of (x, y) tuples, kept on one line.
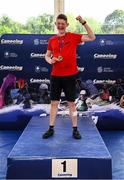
[(53, 112), (72, 112), (73, 115)]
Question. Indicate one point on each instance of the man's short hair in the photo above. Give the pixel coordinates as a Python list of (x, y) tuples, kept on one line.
[(62, 16)]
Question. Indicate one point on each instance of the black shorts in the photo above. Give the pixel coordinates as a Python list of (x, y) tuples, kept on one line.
[(67, 84)]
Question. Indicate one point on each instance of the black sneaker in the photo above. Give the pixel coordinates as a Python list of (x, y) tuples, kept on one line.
[(76, 134), (48, 133)]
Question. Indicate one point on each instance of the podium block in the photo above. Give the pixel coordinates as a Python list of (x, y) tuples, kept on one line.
[(60, 156)]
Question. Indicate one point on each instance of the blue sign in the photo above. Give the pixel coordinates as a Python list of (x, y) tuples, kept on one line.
[(23, 56)]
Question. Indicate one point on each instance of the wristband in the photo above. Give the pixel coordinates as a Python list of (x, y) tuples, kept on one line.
[(84, 23)]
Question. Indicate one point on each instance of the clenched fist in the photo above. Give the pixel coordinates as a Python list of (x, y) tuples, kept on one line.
[(80, 19)]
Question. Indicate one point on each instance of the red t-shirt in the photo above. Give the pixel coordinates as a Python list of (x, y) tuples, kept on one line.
[(68, 65)]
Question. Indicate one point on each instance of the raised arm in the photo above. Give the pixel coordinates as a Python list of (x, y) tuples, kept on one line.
[(90, 36)]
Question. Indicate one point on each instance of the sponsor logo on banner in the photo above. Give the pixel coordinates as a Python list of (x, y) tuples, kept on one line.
[(101, 81), (39, 69), (105, 56), (40, 41), (12, 41), (78, 56), (44, 69), (81, 69), (36, 42), (11, 68), (8, 54), (101, 69), (37, 55), (82, 43), (47, 81), (106, 42)]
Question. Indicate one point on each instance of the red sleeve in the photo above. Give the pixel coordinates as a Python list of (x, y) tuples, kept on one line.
[(77, 38), (49, 45)]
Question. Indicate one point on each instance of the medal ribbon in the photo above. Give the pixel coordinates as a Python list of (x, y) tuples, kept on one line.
[(61, 43)]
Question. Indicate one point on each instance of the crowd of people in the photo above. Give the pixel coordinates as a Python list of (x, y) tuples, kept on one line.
[(87, 94)]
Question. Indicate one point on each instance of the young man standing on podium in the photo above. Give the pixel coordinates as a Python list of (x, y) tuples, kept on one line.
[(61, 54)]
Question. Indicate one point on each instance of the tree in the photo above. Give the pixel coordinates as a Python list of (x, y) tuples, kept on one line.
[(41, 24), (114, 22), (94, 24), (7, 25), (44, 24), (75, 26), (4, 30), (72, 22)]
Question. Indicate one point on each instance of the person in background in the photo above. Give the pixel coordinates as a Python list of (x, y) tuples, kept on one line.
[(104, 94)]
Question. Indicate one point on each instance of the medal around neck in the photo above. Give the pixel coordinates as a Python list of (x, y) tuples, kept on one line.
[(60, 58)]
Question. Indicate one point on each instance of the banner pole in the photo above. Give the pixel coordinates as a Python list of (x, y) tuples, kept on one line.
[(58, 8)]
